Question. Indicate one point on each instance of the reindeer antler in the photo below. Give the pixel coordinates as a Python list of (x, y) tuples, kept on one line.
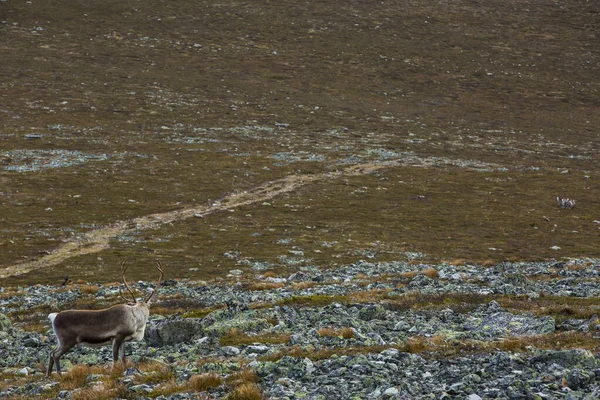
[(123, 269), (162, 274)]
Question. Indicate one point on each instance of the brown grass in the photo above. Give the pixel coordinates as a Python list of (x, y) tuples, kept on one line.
[(89, 289), (76, 376), (168, 388), (431, 273), (11, 292), (556, 306), (409, 274), (303, 285), (33, 327), (203, 382), (440, 346), (10, 379), (451, 212), (345, 332), (260, 305), (246, 391), (168, 311), (559, 307), (244, 384), (244, 375), (155, 372), (236, 337)]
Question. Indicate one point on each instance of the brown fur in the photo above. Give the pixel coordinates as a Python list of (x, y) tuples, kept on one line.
[(118, 324)]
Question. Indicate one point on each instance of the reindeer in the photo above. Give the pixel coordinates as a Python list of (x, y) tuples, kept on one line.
[(565, 203), (117, 324)]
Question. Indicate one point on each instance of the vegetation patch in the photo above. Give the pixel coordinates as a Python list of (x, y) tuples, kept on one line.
[(236, 337), (440, 346)]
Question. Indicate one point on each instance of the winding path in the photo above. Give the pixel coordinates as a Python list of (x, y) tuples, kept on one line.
[(97, 240)]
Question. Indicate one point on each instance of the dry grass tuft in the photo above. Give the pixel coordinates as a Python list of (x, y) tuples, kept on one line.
[(409, 274), (441, 346), (8, 379), (431, 273), (327, 332), (203, 382), (236, 337), (260, 305), (89, 289), (246, 391), (75, 377), (302, 285), (244, 375), (456, 261), (168, 388), (346, 332), (168, 311), (369, 296), (155, 372), (245, 385), (33, 327)]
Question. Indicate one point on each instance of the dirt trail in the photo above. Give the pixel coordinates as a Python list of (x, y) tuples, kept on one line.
[(98, 239)]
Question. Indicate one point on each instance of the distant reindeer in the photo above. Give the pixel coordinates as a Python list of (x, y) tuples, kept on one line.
[(565, 203), (117, 324)]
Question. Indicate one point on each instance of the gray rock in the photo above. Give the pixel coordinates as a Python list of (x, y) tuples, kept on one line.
[(32, 342), (578, 379), (372, 312), (230, 350), (259, 348), (402, 326), (567, 358), (171, 331)]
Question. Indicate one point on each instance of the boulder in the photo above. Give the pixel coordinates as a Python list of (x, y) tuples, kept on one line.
[(567, 358), (172, 330), (372, 312)]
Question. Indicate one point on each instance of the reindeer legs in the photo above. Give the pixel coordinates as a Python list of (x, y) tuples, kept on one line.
[(118, 350), (55, 356)]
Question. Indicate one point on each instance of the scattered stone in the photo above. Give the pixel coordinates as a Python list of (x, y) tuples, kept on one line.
[(230, 350), (387, 374)]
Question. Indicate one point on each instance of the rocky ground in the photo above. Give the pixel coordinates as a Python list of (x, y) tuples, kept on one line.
[(393, 330), (292, 139)]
